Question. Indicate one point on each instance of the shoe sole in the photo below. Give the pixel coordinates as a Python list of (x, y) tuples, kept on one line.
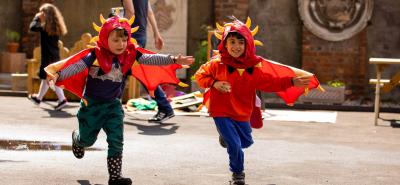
[(161, 121), (60, 107), (75, 154), (33, 101)]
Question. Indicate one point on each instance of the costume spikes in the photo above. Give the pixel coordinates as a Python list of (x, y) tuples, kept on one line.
[(131, 20), (248, 22), (183, 84), (102, 20), (219, 27), (240, 71), (94, 39), (133, 30), (90, 46), (133, 41), (123, 20), (219, 36), (254, 32), (258, 43), (136, 63), (97, 28), (228, 24)]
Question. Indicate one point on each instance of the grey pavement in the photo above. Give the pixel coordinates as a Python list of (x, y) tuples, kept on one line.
[(185, 151)]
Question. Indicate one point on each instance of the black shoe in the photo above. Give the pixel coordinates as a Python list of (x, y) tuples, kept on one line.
[(161, 117), (222, 142), (34, 99), (114, 165), (61, 105), (78, 151), (238, 179), (120, 181)]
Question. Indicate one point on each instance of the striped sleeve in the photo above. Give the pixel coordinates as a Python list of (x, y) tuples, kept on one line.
[(155, 59), (72, 69)]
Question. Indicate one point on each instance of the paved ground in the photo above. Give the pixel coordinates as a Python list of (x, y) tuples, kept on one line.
[(185, 151)]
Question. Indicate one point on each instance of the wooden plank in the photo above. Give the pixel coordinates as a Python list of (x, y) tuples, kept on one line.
[(382, 81), (384, 61)]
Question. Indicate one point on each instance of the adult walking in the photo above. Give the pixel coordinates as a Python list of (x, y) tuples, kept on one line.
[(143, 13)]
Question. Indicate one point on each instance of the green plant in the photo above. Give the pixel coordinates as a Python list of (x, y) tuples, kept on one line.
[(200, 55), (13, 36), (336, 83)]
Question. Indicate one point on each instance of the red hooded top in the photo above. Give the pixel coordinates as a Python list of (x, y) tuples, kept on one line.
[(165, 73), (246, 74)]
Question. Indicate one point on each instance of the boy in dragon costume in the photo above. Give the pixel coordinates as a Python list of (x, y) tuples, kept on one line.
[(98, 76), (233, 76)]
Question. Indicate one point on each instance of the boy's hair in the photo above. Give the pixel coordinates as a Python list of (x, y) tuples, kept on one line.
[(121, 32), (235, 34), (54, 21)]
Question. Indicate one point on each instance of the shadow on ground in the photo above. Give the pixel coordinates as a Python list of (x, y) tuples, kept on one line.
[(158, 129), (86, 182)]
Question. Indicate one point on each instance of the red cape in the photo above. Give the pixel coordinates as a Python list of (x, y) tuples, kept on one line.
[(151, 76)]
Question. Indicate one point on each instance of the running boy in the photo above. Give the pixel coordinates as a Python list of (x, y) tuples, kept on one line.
[(98, 75), (233, 77)]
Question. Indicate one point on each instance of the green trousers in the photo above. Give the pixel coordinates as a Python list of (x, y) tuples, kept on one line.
[(97, 115)]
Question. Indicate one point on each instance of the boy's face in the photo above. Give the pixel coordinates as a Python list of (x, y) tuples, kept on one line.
[(117, 44), (235, 46)]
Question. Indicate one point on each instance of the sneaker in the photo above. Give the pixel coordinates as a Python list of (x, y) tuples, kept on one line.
[(34, 99), (222, 142), (161, 117), (238, 179), (61, 105)]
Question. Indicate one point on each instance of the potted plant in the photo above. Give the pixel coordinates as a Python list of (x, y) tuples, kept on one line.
[(13, 38)]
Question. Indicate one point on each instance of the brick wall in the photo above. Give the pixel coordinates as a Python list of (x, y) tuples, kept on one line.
[(344, 60), (30, 40), (224, 8)]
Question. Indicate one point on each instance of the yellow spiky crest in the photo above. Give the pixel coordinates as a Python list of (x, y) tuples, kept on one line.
[(258, 43), (94, 39), (219, 27), (102, 20), (218, 35), (133, 30), (133, 41), (122, 19), (248, 22), (255, 31), (97, 28), (131, 20)]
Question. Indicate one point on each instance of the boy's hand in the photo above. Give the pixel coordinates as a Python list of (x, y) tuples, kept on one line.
[(184, 60), (222, 86), (52, 75), (301, 81)]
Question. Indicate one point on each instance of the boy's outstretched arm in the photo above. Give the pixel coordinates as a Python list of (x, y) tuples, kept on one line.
[(204, 76), (301, 81), (161, 59)]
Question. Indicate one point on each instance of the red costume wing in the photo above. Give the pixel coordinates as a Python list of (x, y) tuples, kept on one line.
[(76, 83), (291, 94), (152, 76)]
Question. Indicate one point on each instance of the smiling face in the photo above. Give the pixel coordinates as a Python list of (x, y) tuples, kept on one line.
[(235, 44), (117, 41)]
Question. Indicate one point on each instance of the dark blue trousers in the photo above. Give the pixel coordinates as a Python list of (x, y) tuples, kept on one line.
[(237, 135), (162, 102)]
